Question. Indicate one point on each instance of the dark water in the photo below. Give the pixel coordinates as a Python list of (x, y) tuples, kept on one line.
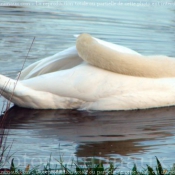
[(123, 137)]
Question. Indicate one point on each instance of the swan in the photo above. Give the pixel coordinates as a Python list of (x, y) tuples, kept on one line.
[(94, 75)]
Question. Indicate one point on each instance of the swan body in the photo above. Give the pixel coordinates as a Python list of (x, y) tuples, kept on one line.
[(94, 75)]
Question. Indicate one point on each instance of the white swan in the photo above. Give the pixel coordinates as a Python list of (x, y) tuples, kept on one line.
[(117, 78)]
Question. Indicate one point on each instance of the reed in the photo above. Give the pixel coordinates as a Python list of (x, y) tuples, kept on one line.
[(3, 115), (92, 169)]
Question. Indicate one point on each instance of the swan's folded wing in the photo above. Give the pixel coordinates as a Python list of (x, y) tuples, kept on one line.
[(89, 88), (60, 61)]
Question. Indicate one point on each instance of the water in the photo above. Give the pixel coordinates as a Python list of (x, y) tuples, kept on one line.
[(121, 137)]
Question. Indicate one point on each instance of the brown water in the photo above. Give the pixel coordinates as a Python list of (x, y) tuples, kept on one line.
[(120, 137)]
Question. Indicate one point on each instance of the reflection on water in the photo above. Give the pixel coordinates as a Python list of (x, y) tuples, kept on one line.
[(121, 136), (141, 134)]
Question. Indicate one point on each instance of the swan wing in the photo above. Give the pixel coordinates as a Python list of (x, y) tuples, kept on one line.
[(63, 60), (89, 88)]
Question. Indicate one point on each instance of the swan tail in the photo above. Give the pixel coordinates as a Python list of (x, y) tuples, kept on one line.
[(15, 91), (23, 96), (9, 88), (4, 84)]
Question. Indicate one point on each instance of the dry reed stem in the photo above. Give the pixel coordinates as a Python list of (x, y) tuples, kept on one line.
[(4, 113)]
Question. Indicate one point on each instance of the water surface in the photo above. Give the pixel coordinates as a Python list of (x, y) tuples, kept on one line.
[(122, 137)]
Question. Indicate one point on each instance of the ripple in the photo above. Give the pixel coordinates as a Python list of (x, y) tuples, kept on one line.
[(121, 136)]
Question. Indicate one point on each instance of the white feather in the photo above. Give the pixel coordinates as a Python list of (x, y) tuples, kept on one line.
[(65, 81)]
